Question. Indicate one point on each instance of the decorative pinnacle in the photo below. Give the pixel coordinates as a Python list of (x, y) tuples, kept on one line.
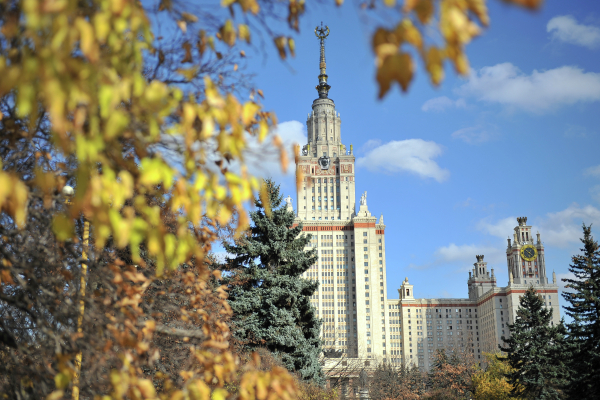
[(322, 87)]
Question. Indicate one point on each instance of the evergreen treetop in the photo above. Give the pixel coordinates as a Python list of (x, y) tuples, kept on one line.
[(269, 298), (534, 350), (583, 305)]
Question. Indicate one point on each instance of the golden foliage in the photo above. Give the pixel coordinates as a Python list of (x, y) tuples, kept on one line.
[(491, 384), (458, 22)]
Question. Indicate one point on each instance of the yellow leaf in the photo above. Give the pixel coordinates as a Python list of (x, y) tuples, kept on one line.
[(61, 380), (389, 3), (280, 44), (198, 390), (219, 394), (424, 10), (397, 67), (434, 65), (88, 45), (249, 111), (479, 8), (249, 5), (292, 47), (56, 395), (409, 5), (461, 63), (189, 17), (188, 73), (228, 33), (63, 227), (102, 26), (409, 33), (244, 32), (146, 388), (263, 130), (25, 99), (264, 198)]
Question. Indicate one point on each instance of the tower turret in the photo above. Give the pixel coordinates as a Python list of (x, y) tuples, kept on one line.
[(480, 281)]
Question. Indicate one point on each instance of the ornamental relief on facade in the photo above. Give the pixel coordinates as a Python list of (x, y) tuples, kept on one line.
[(304, 168), (346, 168)]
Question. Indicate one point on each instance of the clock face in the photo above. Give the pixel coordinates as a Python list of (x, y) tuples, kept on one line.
[(528, 252)]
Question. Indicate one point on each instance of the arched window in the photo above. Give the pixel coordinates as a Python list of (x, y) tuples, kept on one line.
[(408, 292)]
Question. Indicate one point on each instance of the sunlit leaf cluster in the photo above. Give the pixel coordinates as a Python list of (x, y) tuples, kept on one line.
[(455, 23), (84, 67)]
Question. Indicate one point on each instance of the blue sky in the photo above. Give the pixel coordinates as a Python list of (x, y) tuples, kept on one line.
[(451, 168)]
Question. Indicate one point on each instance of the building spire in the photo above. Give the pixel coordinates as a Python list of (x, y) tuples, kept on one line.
[(322, 87)]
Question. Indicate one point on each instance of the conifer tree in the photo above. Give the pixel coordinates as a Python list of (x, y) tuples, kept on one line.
[(270, 299), (584, 332), (534, 351)]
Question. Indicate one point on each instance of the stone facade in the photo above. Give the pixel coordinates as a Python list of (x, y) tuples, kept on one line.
[(360, 325)]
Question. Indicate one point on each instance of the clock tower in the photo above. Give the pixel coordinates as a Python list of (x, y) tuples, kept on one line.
[(525, 257)]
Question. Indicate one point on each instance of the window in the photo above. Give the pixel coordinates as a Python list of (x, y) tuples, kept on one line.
[(364, 233)]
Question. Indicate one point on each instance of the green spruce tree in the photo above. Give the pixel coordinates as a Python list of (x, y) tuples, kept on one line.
[(584, 332), (534, 350), (270, 299)]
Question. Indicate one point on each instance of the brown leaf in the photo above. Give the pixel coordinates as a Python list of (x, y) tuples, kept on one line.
[(397, 67), (188, 53)]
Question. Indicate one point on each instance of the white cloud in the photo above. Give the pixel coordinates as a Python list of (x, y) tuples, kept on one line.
[(576, 131), (595, 193), (538, 92), (221, 256), (464, 204), (442, 103), (370, 144), (263, 159), (474, 134), (565, 28), (502, 228), (411, 155), (593, 171), (466, 254), (559, 280), (561, 229)]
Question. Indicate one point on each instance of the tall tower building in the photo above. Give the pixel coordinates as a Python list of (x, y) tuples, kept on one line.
[(361, 326), (350, 244)]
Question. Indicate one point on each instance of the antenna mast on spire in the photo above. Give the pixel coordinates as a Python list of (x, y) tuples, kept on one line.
[(322, 87)]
